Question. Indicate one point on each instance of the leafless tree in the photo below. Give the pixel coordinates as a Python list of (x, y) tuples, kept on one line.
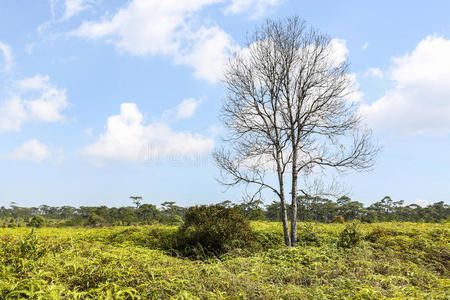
[(288, 112)]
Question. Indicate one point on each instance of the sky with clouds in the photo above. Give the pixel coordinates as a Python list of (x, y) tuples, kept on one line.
[(100, 100)]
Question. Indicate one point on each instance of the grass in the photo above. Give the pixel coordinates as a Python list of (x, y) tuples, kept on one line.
[(391, 260)]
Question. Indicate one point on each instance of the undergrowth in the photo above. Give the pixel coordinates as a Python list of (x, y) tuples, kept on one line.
[(389, 260)]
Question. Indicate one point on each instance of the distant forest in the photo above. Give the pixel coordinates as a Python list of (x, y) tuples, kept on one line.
[(309, 210)]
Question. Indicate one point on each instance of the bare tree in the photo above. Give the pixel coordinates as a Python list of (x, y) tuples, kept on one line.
[(288, 112)]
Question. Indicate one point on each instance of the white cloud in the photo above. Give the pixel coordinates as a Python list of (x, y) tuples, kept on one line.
[(153, 27), (35, 99), (419, 101), (126, 138), (48, 104), (74, 7), (339, 51), (32, 150), (365, 46), (374, 72), (355, 95), (12, 114), (187, 108), (184, 110), (209, 53), (6, 62), (337, 54), (259, 7)]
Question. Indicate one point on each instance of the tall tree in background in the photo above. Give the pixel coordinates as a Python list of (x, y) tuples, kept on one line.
[(136, 200), (288, 109)]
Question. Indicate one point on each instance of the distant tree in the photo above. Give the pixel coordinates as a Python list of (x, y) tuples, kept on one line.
[(316, 209), (16, 212), (147, 213), (66, 212), (127, 215), (251, 206), (37, 221), (95, 220), (226, 203), (273, 211), (136, 200), (172, 213), (384, 209), (349, 209)]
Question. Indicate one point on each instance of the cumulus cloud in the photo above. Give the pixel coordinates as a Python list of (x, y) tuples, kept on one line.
[(187, 108), (127, 138), (6, 58), (259, 7), (374, 72), (419, 101), (34, 99), (339, 55), (355, 95), (74, 7), (339, 51), (153, 27), (209, 53), (33, 150), (336, 56)]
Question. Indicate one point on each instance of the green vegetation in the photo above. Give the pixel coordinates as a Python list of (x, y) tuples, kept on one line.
[(398, 260), (37, 221), (310, 209), (213, 230)]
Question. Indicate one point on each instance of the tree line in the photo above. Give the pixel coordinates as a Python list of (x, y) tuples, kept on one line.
[(310, 209)]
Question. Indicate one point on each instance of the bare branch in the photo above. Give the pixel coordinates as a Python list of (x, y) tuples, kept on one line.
[(287, 106)]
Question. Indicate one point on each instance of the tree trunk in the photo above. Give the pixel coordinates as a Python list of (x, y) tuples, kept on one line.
[(284, 216), (294, 200)]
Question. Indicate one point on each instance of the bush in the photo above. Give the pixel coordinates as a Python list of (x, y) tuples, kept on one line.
[(17, 253), (338, 219), (36, 221), (350, 236), (213, 230), (308, 235), (377, 234)]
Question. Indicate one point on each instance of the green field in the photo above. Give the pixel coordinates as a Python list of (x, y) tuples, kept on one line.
[(391, 260)]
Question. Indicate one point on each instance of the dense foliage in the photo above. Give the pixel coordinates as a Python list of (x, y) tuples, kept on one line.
[(309, 209), (213, 230), (37, 221), (398, 260)]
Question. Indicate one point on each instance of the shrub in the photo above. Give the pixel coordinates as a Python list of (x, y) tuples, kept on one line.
[(338, 219), (350, 236), (36, 221), (308, 236), (377, 234), (12, 225), (17, 253), (213, 230)]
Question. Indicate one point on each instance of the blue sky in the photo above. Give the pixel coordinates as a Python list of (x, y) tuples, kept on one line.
[(100, 100)]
